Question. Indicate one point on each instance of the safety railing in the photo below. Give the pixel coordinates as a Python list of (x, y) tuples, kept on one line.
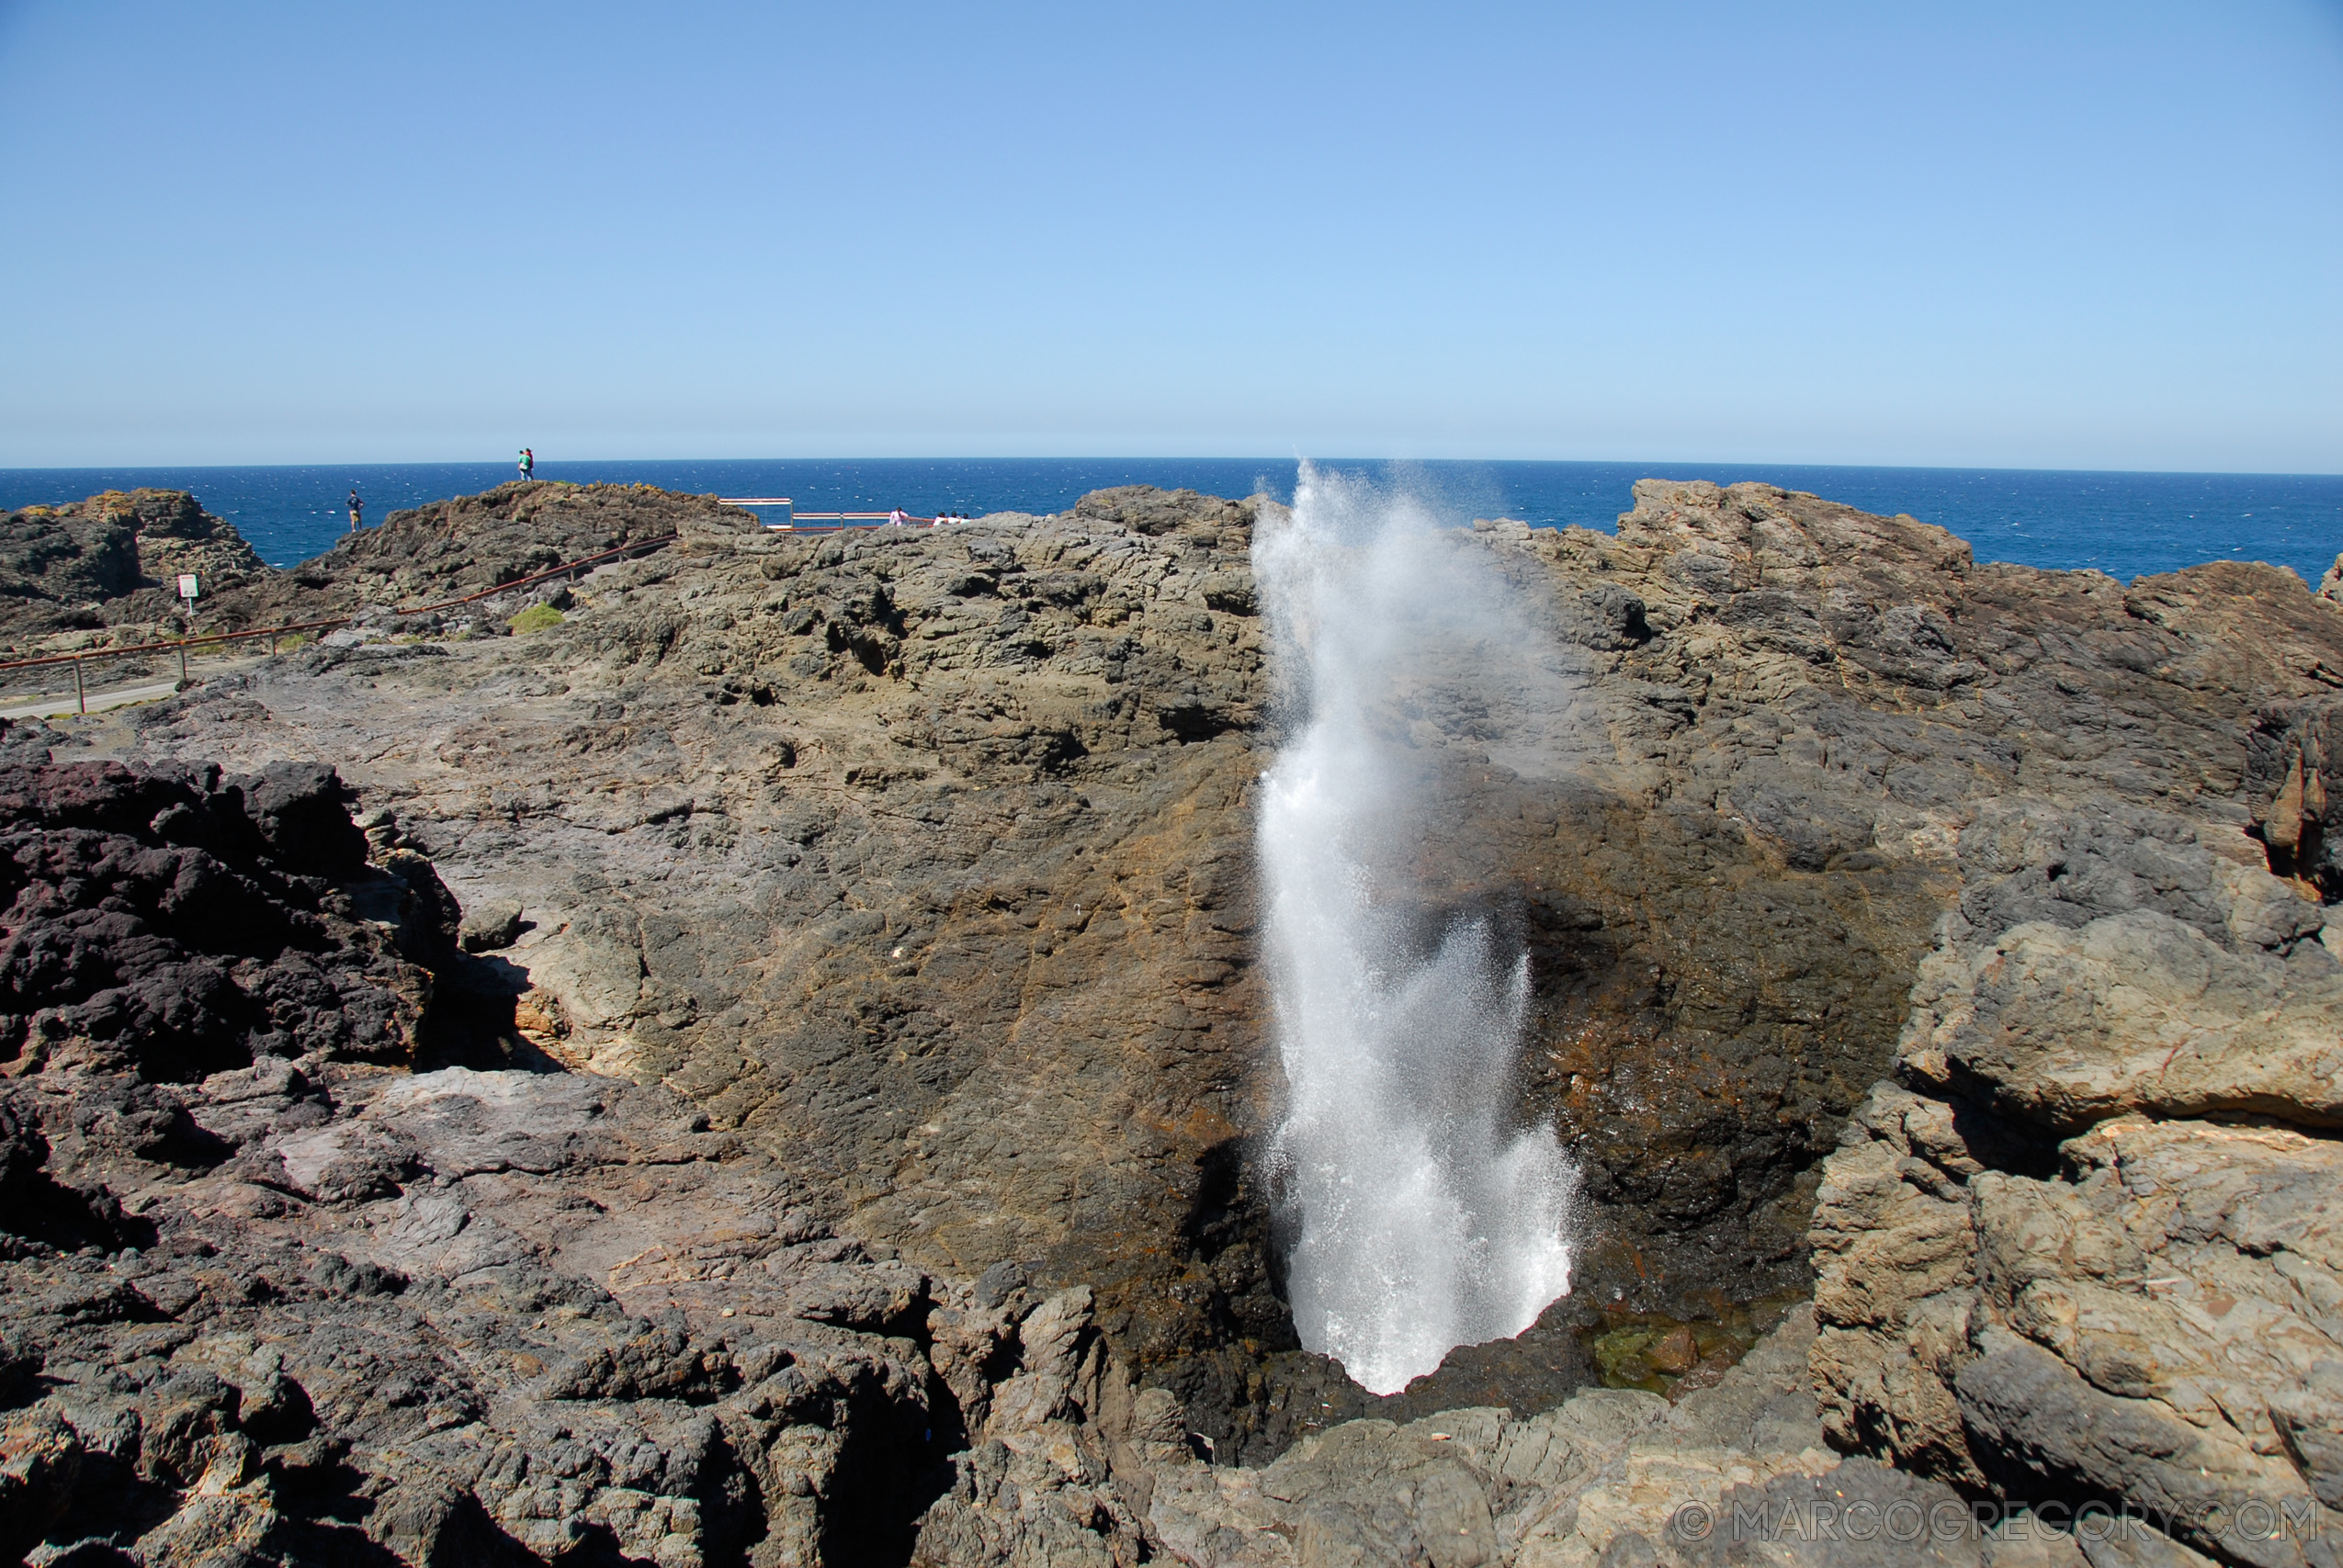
[(793, 521), (182, 645), (830, 521)]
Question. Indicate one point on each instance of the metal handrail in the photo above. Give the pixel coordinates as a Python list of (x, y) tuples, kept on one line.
[(836, 520), (562, 570), (843, 522), (167, 647)]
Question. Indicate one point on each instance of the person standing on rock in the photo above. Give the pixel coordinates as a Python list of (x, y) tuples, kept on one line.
[(357, 510), (528, 464), (895, 518)]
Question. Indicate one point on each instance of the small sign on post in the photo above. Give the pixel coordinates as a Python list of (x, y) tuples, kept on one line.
[(187, 595)]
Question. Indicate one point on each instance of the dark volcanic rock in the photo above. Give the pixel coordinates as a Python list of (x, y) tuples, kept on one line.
[(967, 804), (1018, 753), (183, 923), (1144, 510), (71, 555)]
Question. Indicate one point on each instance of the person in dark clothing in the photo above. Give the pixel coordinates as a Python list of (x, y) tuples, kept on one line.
[(357, 510)]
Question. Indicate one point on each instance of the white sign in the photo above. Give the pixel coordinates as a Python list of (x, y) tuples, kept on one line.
[(187, 585)]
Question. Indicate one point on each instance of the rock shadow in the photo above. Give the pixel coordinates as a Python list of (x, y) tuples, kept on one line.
[(473, 1019)]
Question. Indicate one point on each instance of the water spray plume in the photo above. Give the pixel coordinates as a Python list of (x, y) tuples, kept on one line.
[(1421, 1218)]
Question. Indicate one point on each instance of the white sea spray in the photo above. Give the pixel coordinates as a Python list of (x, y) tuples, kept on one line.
[(1422, 1218)]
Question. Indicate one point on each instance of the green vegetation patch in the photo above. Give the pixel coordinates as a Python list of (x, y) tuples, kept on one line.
[(535, 618)]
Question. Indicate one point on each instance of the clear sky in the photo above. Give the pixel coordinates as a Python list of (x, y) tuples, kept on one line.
[(2034, 234)]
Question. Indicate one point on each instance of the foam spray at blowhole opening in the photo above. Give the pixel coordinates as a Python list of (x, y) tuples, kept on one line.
[(1421, 1217)]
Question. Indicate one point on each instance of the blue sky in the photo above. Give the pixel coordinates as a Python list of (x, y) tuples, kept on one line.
[(2020, 235)]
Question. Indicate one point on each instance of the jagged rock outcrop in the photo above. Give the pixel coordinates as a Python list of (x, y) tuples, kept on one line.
[(2295, 748), (1735, 1472), (75, 554), (112, 560), (2124, 786), (2141, 1310), (1958, 922), (272, 1297), (171, 923), (103, 571), (446, 549), (1019, 752), (910, 855)]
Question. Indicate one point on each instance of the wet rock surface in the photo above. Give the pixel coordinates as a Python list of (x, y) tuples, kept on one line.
[(1958, 926)]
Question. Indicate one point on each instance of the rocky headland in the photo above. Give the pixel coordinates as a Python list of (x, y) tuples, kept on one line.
[(770, 1068), (67, 572), (103, 573)]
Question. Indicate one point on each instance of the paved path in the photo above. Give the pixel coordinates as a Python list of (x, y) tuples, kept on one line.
[(53, 706)]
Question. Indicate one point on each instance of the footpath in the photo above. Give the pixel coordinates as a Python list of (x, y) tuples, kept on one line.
[(65, 704), (81, 700)]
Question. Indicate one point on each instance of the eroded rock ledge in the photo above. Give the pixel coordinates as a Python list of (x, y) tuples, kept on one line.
[(2086, 1246)]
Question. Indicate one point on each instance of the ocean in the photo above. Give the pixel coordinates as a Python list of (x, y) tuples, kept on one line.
[(2121, 523)]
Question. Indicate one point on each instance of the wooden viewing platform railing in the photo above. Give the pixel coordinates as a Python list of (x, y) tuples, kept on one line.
[(794, 521), (81, 693)]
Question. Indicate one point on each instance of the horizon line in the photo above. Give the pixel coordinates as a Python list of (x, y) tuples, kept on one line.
[(1654, 464)]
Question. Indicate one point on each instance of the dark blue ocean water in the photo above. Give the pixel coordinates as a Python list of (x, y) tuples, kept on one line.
[(2121, 524)]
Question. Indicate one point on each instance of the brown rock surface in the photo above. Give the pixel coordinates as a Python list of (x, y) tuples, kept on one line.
[(918, 864), (925, 859), (2142, 1312), (810, 828)]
